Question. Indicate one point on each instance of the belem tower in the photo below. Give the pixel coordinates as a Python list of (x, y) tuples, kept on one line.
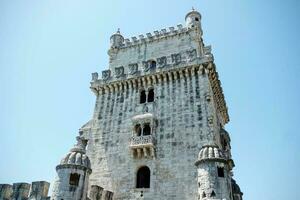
[(157, 132)]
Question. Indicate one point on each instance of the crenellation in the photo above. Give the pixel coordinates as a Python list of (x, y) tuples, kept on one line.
[(6, 192), (20, 191)]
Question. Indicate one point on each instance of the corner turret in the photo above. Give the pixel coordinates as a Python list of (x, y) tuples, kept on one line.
[(214, 174), (73, 174), (116, 40), (193, 20)]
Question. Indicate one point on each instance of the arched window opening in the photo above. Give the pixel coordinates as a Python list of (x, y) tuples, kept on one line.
[(74, 179), (153, 64), (143, 178), (213, 194), (143, 96), (203, 195), (138, 130), (220, 172), (147, 129), (151, 95)]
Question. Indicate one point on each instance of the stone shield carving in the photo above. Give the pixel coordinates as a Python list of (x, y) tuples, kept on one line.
[(192, 54), (162, 61), (106, 74), (146, 66), (119, 71), (133, 68), (176, 58)]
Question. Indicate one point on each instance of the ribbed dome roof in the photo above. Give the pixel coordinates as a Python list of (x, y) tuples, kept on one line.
[(77, 155), (210, 152), (193, 11)]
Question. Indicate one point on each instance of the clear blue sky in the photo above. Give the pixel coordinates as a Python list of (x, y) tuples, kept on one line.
[(49, 48)]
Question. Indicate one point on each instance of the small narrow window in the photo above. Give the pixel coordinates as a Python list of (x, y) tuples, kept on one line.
[(197, 19), (203, 195), (220, 172), (153, 64), (74, 179), (138, 130), (213, 194), (143, 96), (143, 177), (151, 95), (147, 129)]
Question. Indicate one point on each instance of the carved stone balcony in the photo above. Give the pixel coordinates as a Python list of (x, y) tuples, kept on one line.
[(142, 146)]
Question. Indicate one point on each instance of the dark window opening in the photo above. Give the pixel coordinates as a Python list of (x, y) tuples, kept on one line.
[(153, 64), (203, 195), (197, 19), (74, 179), (143, 96), (213, 194), (151, 95), (147, 129), (138, 130), (143, 178), (220, 172)]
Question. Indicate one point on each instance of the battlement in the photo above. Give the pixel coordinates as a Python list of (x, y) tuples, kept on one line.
[(156, 35), (24, 191)]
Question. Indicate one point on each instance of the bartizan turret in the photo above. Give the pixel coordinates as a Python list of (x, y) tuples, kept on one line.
[(73, 174), (214, 174), (193, 20)]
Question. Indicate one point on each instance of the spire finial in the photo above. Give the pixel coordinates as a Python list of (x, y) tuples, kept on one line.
[(193, 8), (118, 31)]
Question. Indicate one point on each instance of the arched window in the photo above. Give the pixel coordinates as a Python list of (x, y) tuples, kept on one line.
[(147, 129), (143, 177), (138, 130), (143, 96), (203, 195), (74, 179), (152, 64), (151, 95)]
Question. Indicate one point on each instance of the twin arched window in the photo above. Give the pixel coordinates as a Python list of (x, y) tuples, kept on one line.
[(143, 177), (144, 97), (141, 131)]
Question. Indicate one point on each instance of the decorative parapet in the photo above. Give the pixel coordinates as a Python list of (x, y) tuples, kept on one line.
[(142, 146), (164, 63), (141, 141)]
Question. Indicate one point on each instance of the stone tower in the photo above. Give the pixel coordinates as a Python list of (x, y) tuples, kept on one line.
[(157, 131)]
